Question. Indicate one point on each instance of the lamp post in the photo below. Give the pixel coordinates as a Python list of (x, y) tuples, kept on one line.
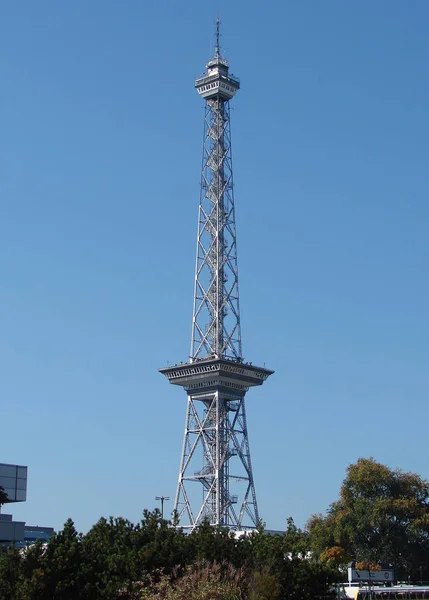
[(162, 498)]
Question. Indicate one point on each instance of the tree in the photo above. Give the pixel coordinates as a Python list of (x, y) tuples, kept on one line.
[(3, 497), (382, 515), (10, 573), (294, 570), (117, 560), (58, 572)]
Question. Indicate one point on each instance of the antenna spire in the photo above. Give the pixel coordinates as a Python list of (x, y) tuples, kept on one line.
[(217, 47)]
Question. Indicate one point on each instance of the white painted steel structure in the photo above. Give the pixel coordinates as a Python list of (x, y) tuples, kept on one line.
[(215, 454)]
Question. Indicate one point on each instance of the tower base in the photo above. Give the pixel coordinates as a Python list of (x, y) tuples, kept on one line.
[(215, 454)]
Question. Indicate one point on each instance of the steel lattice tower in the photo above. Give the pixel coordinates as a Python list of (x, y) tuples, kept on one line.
[(215, 454)]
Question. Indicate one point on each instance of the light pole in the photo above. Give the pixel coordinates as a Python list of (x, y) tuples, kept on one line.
[(162, 498)]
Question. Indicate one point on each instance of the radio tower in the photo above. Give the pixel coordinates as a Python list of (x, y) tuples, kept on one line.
[(215, 456)]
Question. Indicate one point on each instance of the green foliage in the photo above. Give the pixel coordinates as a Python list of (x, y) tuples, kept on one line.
[(382, 515), (10, 573), (117, 560), (3, 496), (287, 564), (201, 581), (55, 573)]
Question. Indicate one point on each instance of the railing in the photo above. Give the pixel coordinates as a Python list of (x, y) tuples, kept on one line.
[(210, 78)]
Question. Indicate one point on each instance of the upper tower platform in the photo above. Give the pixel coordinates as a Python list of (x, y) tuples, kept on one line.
[(217, 81)]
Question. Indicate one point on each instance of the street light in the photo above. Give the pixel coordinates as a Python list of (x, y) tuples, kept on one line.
[(162, 498)]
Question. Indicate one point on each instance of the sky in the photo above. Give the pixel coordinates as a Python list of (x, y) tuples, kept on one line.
[(100, 154)]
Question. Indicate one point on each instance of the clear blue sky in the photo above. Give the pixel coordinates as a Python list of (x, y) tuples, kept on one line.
[(100, 153)]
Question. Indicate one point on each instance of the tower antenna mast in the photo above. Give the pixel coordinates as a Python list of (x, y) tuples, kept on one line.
[(215, 456), (217, 48)]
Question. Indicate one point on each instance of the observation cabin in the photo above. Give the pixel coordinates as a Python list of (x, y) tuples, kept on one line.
[(217, 81)]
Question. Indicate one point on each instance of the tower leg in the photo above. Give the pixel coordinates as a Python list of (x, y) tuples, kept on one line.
[(216, 438)]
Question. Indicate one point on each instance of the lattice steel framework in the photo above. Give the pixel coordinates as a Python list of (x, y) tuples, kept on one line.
[(216, 327), (215, 451), (217, 423)]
